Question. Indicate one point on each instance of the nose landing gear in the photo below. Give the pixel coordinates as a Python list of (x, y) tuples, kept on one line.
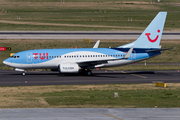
[(23, 73)]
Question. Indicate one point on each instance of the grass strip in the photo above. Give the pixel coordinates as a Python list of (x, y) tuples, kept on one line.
[(90, 14), (130, 96)]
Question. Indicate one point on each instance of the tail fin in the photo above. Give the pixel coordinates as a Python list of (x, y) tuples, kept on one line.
[(151, 36)]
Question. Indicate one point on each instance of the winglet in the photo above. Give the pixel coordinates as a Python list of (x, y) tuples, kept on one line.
[(97, 44), (128, 53)]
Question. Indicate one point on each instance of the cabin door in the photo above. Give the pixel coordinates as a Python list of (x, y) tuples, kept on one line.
[(133, 57), (29, 57)]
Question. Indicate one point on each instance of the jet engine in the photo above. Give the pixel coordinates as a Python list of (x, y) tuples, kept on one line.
[(68, 68)]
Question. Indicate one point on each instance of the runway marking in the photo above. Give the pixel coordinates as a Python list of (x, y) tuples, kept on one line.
[(113, 116), (138, 76)]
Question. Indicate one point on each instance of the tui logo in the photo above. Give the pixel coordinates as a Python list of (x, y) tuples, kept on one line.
[(152, 40)]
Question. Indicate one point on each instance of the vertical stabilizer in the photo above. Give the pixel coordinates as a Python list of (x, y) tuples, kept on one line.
[(151, 36)]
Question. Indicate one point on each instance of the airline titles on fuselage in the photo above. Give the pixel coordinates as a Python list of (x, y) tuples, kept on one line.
[(46, 56)]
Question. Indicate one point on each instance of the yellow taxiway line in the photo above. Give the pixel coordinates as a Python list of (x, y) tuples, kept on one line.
[(113, 116)]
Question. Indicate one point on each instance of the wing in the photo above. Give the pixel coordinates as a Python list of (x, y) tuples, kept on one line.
[(100, 62)]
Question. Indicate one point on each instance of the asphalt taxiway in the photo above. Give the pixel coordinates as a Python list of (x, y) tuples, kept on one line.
[(167, 35), (12, 78)]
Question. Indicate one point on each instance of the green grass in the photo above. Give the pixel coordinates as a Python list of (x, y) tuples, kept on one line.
[(132, 98), (84, 96), (88, 12)]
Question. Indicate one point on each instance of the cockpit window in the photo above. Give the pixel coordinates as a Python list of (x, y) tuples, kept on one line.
[(15, 56)]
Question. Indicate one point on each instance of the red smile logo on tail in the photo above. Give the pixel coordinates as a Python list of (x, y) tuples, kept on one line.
[(152, 40)]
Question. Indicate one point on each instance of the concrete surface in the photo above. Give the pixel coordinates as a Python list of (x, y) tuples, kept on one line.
[(91, 114), (80, 35)]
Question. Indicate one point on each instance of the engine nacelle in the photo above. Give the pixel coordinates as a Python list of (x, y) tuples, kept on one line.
[(68, 68)]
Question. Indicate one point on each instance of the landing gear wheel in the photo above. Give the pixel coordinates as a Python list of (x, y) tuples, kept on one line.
[(86, 72), (23, 74), (89, 72)]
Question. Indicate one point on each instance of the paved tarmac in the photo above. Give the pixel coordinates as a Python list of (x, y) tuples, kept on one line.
[(13, 78), (81, 35), (91, 114)]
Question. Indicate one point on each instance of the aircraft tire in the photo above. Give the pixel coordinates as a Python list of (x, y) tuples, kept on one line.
[(23, 74), (89, 73)]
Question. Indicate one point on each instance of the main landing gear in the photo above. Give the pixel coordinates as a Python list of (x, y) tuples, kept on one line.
[(89, 72), (86, 72)]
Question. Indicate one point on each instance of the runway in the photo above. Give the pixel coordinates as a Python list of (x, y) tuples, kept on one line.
[(12, 78), (80, 35)]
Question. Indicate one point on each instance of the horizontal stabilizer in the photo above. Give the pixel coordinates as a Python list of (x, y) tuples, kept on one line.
[(158, 50)]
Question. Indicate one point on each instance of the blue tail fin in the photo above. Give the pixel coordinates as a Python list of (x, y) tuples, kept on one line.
[(151, 36)]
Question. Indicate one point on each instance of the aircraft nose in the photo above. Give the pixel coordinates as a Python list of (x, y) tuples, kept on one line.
[(6, 62)]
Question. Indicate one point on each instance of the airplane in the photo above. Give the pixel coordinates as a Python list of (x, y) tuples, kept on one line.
[(83, 60)]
